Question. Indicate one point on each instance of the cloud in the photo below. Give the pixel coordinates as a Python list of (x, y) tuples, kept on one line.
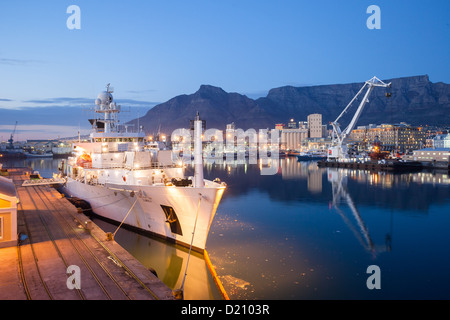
[(49, 115), (17, 62), (62, 101), (38, 131), (141, 91), (60, 116), (65, 101), (136, 103)]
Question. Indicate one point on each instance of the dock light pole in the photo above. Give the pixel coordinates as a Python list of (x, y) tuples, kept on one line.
[(198, 152)]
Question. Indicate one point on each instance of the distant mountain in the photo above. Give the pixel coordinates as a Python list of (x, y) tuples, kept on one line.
[(414, 100), (215, 106)]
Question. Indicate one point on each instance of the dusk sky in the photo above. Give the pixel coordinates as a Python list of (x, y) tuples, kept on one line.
[(152, 51)]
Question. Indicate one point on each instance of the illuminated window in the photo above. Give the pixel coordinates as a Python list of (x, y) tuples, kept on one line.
[(1, 228)]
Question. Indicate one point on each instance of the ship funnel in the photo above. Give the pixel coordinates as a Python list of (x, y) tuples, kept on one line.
[(198, 155)]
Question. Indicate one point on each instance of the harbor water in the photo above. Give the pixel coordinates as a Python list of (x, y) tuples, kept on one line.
[(310, 233)]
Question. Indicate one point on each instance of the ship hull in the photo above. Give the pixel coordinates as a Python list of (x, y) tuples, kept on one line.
[(177, 214), (310, 158)]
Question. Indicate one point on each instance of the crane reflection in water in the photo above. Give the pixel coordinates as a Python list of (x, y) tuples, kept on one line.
[(338, 179)]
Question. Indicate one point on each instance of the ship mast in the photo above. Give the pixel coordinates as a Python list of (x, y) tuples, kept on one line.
[(198, 156), (106, 105)]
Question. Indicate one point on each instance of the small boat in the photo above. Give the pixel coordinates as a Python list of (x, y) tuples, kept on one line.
[(311, 156)]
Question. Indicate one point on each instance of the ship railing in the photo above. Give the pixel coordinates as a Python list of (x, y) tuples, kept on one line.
[(152, 165), (108, 166)]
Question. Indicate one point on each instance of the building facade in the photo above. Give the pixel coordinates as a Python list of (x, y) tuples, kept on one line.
[(8, 213), (315, 125), (430, 155), (400, 138), (441, 141), (291, 139)]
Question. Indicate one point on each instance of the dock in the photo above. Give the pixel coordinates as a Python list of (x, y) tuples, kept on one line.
[(62, 255), (392, 166)]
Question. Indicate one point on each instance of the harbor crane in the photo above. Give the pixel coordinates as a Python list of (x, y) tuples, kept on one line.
[(11, 138), (339, 150)]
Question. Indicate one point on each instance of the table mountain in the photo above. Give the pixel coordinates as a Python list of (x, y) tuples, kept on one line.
[(414, 100)]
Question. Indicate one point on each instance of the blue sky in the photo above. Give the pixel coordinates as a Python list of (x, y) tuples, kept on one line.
[(151, 51)]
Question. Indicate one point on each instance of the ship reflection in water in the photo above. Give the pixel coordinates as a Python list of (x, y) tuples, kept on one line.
[(310, 233), (169, 262)]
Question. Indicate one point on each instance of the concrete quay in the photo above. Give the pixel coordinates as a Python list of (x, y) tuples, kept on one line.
[(63, 255)]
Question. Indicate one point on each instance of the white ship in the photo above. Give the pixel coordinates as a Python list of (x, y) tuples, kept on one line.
[(130, 182)]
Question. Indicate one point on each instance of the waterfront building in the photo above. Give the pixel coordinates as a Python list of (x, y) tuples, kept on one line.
[(430, 155), (292, 124), (315, 125), (429, 141), (317, 144), (441, 141), (8, 213), (399, 137), (291, 139), (303, 124)]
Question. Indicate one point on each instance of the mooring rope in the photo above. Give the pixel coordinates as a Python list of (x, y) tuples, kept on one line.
[(125, 218), (192, 241)]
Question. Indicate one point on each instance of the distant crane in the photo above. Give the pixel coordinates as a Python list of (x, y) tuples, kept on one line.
[(11, 139), (339, 150)]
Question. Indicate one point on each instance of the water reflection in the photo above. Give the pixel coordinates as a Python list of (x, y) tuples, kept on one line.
[(169, 262), (354, 221), (298, 182), (45, 166), (310, 233)]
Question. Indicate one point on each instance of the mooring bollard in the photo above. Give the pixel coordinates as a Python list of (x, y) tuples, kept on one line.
[(109, 236)]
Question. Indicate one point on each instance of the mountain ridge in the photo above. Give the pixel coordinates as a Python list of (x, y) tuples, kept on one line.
[(415, 100)]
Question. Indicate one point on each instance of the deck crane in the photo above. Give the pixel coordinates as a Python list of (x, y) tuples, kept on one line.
[(11, 138), (338, 150)]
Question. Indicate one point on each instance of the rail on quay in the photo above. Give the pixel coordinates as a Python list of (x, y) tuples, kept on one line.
[(62, 255)]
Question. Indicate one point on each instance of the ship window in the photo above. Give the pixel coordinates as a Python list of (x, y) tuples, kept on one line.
[(172, 219), (1, 228)]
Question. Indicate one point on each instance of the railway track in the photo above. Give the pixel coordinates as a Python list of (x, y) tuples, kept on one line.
[(54, 231)]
